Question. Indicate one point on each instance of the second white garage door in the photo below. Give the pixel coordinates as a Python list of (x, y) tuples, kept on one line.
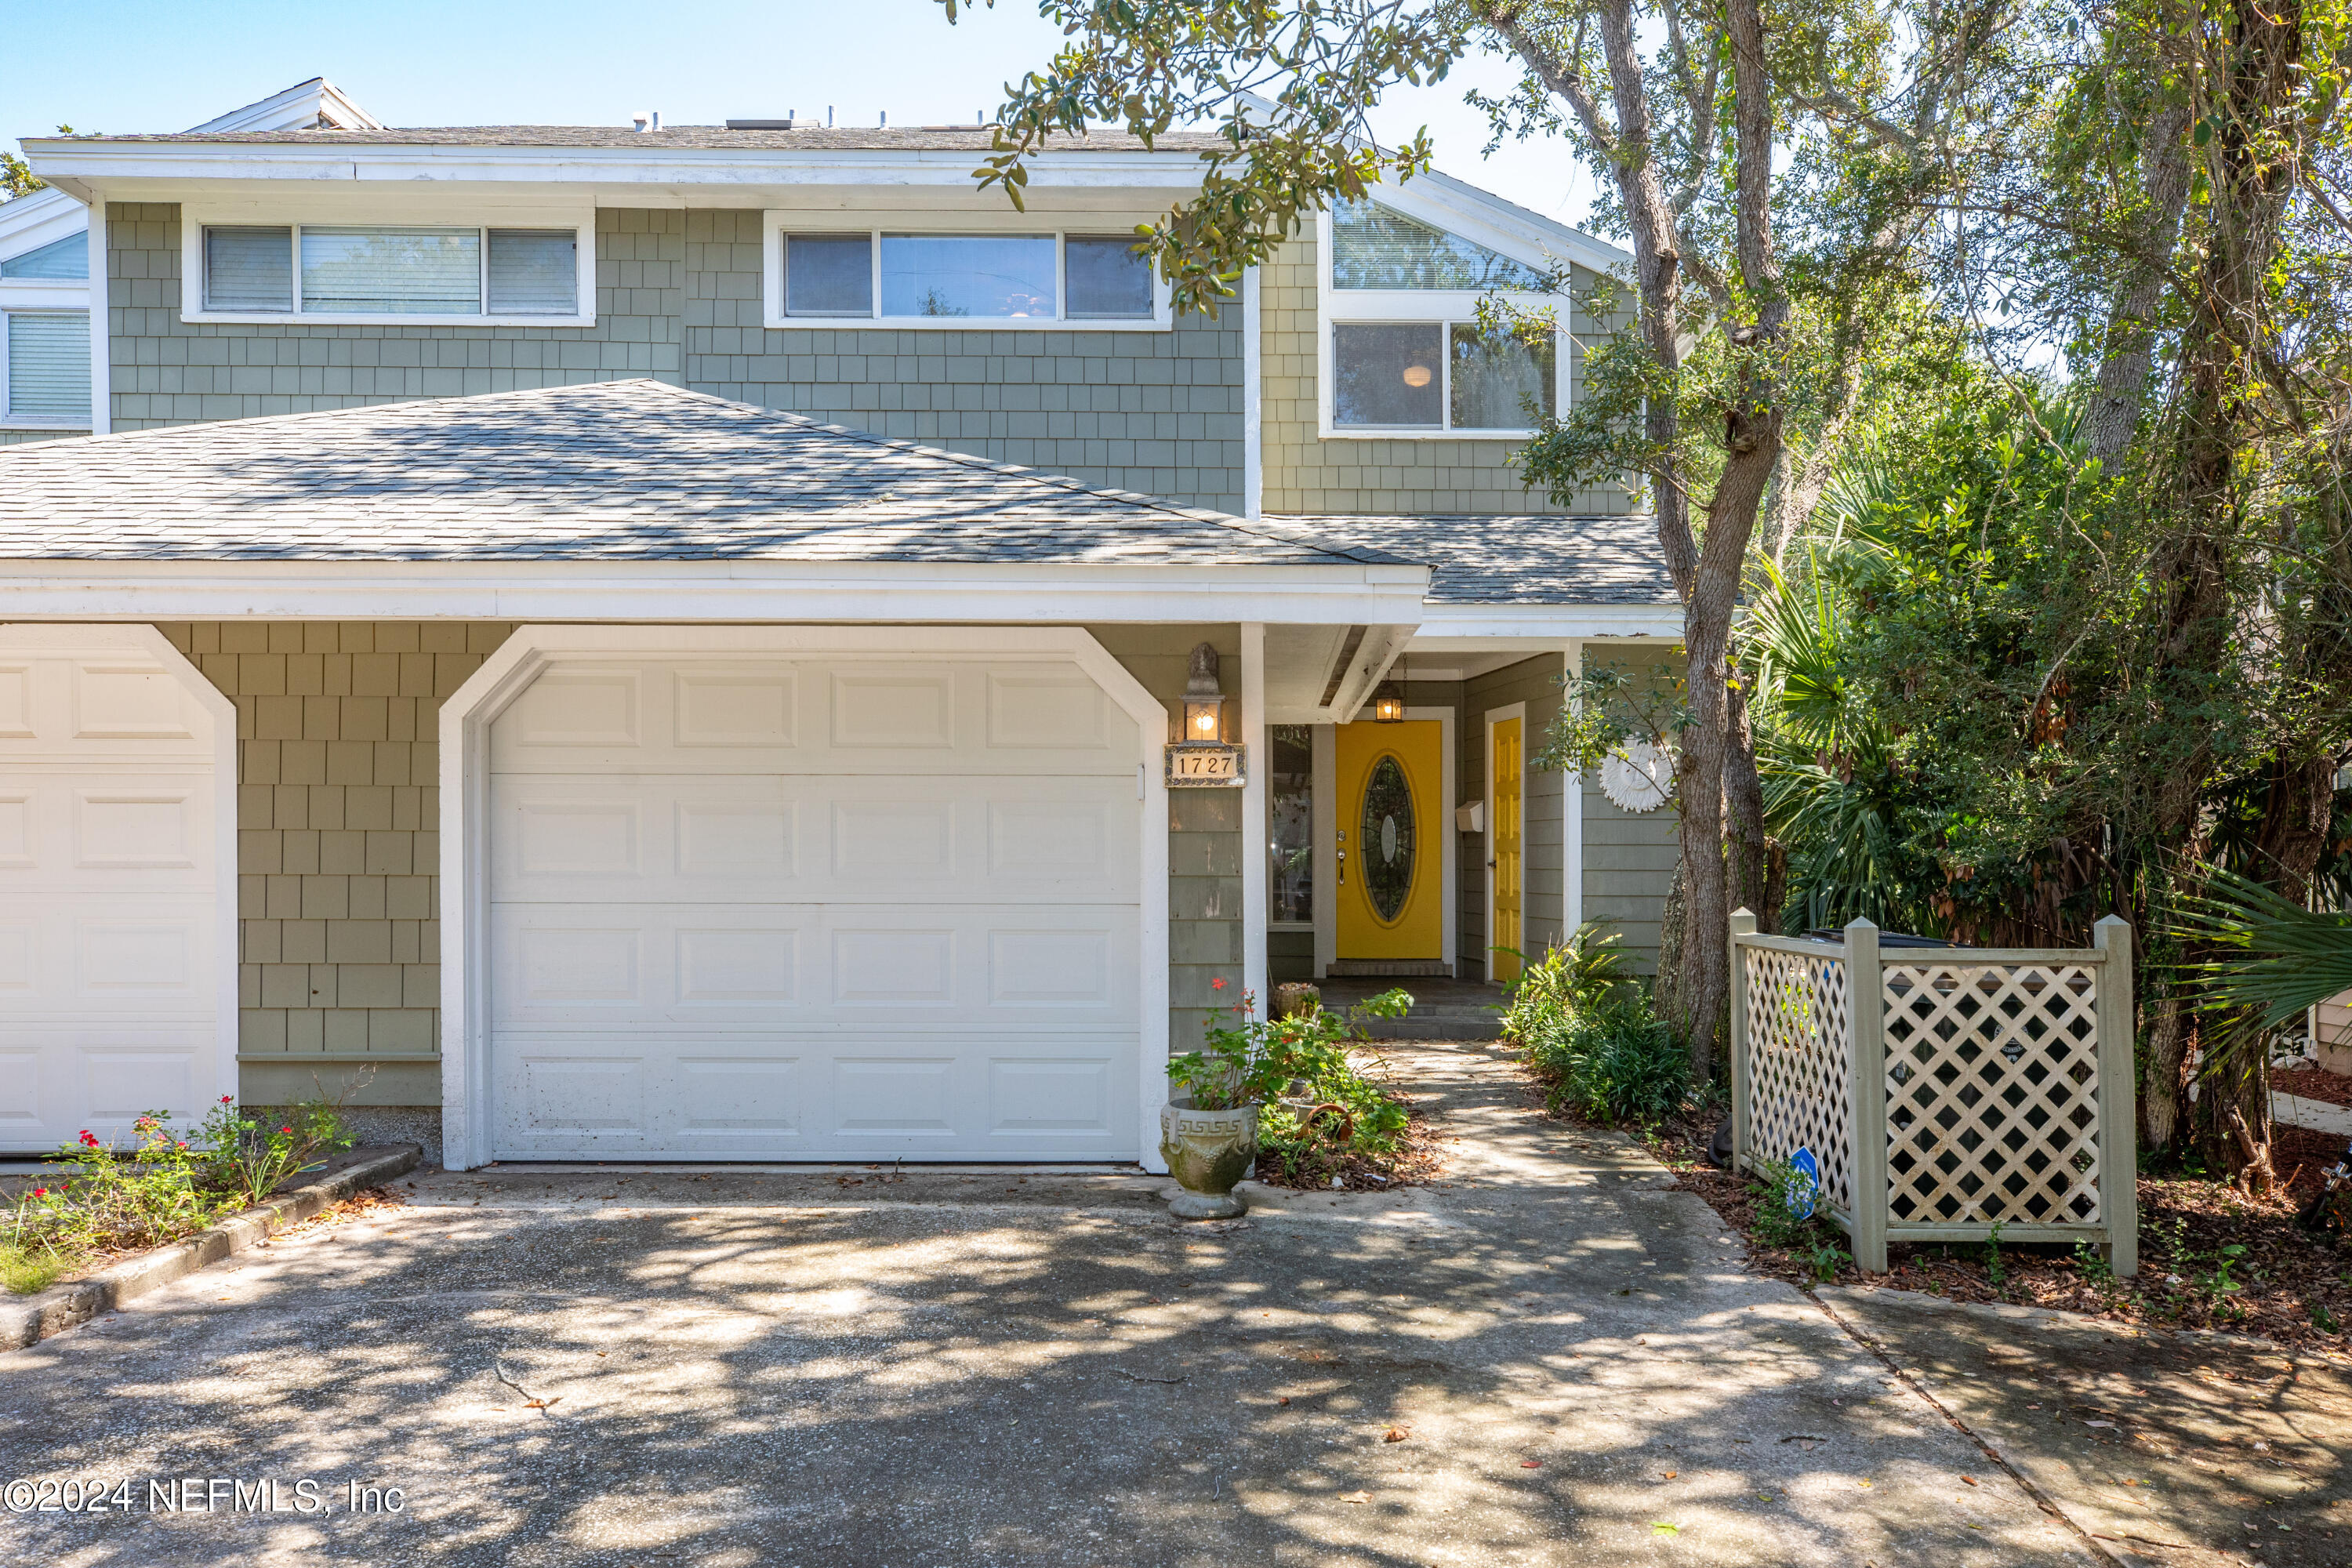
[(813, 910)]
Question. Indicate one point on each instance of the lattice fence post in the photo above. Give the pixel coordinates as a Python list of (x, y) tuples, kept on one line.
[(1742, 924), (2118, 1024), (1866, 1092)]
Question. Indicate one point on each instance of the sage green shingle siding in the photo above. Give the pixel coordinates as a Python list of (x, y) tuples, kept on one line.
[(1205, 833), (678, 298), (17, 438)]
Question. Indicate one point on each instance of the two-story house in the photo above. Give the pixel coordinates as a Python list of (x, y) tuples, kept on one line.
[(731, 643)]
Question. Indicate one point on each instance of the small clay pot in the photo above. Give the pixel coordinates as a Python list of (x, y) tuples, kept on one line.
[(1207, 1152)]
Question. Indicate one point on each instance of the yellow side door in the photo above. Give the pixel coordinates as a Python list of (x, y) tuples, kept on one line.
[(1510, 778), (1391, 841)]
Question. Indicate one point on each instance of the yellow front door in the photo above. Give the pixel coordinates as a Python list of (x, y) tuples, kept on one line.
[(1509, 775), (1391, 841)]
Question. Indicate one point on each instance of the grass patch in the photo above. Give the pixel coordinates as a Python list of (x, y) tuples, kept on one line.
[(24, 1272)]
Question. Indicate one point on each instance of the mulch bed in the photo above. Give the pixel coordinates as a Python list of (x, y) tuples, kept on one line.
[(2313, 1083), (2290, 1280), (1419, 1159)]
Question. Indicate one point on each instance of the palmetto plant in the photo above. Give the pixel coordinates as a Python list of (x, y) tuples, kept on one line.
[(2277, 958)]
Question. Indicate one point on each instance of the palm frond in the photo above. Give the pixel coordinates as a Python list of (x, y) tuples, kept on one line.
[(2278, 957)]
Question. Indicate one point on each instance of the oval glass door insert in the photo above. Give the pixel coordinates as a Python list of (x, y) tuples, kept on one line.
[(1386, 837)]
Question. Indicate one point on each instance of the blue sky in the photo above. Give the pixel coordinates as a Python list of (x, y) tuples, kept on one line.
[(142, 65)]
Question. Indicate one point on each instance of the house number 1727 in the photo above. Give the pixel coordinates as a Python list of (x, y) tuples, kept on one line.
[(1205, 766)]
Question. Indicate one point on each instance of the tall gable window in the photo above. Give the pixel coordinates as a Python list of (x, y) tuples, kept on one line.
[(1373, 248), (1405, 354), (348, 272), (962, 280), (67, 258)]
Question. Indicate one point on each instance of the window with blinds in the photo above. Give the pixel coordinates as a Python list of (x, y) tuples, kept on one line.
[(49, 367), (391, 270)]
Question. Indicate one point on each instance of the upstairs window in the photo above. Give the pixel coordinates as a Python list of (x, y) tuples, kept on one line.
[(940, 280), (1374, 248), (1439, 377), (392, 271), (67, 258)]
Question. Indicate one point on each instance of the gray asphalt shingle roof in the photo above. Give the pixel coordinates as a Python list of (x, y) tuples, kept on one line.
[(1504, 559), (644, 471), (607, 470)]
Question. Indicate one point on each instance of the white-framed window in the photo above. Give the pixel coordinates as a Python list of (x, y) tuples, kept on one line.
[(45, 369), (821, 276), (522, 273), (1402, 352)]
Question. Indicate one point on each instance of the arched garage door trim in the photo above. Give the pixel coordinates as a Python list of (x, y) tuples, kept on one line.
[(112, 730), (467, 1115)]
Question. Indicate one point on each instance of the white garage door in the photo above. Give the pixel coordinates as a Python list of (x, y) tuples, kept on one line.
[(813, 909), (114, 986)]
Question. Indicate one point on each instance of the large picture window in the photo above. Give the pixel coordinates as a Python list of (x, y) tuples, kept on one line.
[(342, 271), (940, 280), (1375, 248), (1439, 377)]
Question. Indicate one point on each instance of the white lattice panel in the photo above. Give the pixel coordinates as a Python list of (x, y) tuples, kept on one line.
[(1799, 1055), (1992, 1093)]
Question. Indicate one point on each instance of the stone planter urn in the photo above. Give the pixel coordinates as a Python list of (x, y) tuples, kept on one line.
[(1207, 1152)]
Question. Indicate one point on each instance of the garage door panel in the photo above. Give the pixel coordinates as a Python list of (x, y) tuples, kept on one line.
[(65, 830), (815, 909), (640, 966), (109, 957), (801, 1097), (680, 838), (815, 716)]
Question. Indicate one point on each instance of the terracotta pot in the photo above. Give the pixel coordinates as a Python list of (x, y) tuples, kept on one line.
[(1207, 1152)]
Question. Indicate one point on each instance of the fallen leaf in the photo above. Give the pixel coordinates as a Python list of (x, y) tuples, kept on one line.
[(2109, 1425), (1670, 1475), (1531, 1464), (542, 1404), (1660, 1527), (1284, 1400), (1971, 1479), (1864, 1485), (1396, 1435), (1357, 1496)]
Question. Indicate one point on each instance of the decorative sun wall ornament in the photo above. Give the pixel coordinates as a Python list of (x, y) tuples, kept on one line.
[(1638, 776)]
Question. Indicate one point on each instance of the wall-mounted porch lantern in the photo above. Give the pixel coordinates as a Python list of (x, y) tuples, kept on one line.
[(1388, 703), (1204, 700), (1201, 756)]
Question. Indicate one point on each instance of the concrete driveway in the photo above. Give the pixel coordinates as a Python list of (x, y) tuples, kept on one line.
[(955, 1368)]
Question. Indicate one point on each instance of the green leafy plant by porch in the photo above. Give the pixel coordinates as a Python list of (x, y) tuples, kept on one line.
[(1587, 1028), (1317, 1110)]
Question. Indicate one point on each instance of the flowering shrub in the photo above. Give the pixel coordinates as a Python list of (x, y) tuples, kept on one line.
[(165, 1186), (1315, 1107)]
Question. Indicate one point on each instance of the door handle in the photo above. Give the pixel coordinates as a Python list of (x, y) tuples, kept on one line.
[(1343, 867)]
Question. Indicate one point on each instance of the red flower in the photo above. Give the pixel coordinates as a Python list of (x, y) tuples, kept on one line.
[(228, 1099), (40, 1192), (288, 1130), (1218, 983)]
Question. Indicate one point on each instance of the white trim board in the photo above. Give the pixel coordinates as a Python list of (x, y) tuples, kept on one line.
[(1256, 819), (466, 719), (624, 590)]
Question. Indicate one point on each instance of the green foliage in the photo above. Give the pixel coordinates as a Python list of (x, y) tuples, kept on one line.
[(1995, 1270), (246, 1155), (167, 1184), (1587, 1029), (1254, 1060), (1583, 971), (1605, 707), (2276, 958)]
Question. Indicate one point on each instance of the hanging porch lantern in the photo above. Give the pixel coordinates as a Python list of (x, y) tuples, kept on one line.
[(1204, 700), (1388, 702)]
